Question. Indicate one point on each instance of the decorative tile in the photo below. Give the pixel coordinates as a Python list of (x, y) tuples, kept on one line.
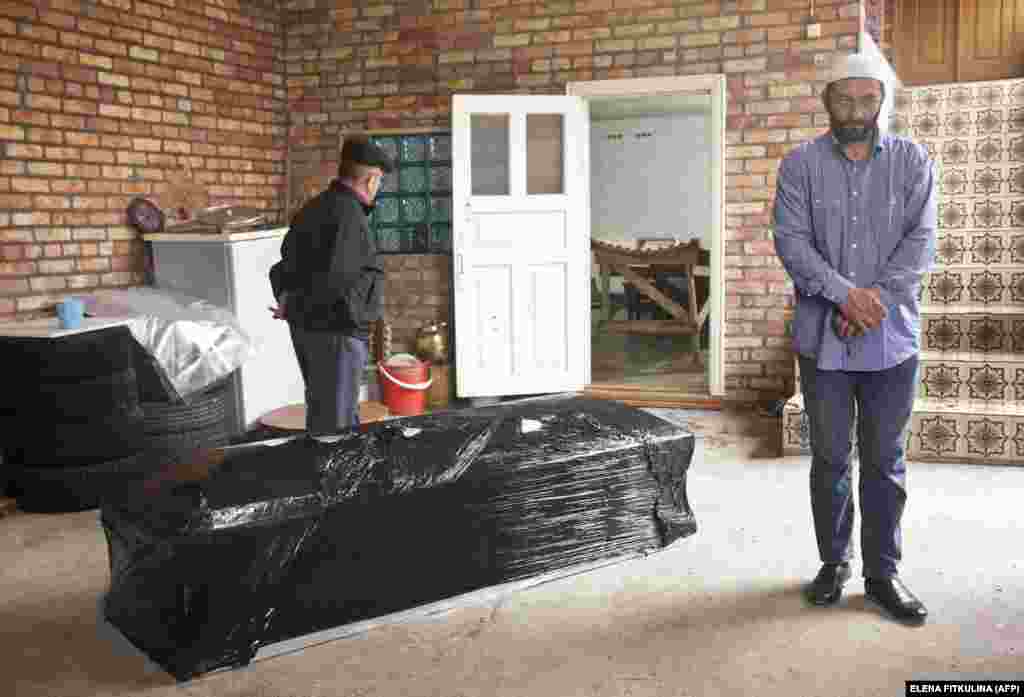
[(988, 213), (938, 436), (941, 381), (932, 99), (987, 181), (991, 96), (1018, 440), (950, 250), (943, 334), (1016, 149), (989, 121), (987, 248), (988, 150), (945, 287), (1018, 385), (987, 383), (926, 125), (1017, 249), (986, 335), (954, 181), (1015, 124), (952, 214), (955, 152), (958, 123), (986, 437), (1017, 336), (1016, 180), (985, 287), (1017, 288), (1017, 93)]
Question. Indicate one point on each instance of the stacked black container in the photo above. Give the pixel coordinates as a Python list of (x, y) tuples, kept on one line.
[(83, 410)]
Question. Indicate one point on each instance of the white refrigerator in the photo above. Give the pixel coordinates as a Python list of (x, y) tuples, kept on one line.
[(231, 271)]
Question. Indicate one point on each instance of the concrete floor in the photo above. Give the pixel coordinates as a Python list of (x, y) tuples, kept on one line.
[(719, 613)]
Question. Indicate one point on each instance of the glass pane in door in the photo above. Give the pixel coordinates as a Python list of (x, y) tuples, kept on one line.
[(489, 154), (544, 148)]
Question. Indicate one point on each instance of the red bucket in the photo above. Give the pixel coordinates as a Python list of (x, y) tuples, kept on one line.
[(404, 381)]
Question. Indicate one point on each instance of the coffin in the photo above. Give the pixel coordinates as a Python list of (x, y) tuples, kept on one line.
[(260, 544)]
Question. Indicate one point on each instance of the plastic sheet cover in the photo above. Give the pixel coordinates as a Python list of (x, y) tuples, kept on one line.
[(219, 557), (194, 343)]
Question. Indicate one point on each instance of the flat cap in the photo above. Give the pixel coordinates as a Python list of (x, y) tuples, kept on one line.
[(358, 148)]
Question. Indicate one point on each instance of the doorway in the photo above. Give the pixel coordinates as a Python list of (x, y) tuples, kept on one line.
[(656, 194)]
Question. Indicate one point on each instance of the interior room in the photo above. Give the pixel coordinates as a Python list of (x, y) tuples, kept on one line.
[(650, 192)]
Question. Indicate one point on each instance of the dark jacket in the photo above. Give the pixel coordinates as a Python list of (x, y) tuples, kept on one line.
[(329, 265)]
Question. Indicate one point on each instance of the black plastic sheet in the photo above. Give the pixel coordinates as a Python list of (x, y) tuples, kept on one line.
[(279, 541)]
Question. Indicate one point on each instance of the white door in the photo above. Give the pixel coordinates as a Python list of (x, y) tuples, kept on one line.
[(521, 244)]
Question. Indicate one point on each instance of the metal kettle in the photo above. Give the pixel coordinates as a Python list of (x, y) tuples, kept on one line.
[(432, 343)]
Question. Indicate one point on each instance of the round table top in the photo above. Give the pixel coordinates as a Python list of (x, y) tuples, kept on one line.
[(293, 416)]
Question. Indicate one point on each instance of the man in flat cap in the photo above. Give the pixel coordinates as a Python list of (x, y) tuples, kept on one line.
[(328, 285), (855, 221)]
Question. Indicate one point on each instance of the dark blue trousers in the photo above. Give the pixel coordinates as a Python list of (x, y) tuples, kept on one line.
[(332, 368), (880, 403)]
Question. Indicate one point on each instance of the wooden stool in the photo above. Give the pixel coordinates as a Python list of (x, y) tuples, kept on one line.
[(293, 416)]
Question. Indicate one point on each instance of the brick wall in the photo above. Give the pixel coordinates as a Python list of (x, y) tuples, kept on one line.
[(396, 63), (103, 100)]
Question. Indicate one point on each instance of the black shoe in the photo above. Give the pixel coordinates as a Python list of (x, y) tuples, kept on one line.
[(892, 596), (827, 587)]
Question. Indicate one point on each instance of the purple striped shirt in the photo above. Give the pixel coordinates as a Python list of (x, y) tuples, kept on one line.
[(841, 223)]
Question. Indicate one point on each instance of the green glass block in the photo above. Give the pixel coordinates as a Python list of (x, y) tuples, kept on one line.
[(414, 209), (412, 180), (388, 144), (389, 182), (415, 239), (441, 209), (389, 239), (440, 178), (386, 210), (414, 148), (440, 148), (440, 238)]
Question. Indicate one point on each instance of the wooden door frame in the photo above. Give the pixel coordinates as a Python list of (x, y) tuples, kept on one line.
[(713, 85)]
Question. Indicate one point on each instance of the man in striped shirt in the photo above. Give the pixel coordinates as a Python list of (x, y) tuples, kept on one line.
[(854, 225)]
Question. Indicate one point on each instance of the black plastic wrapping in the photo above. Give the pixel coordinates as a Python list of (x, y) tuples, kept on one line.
[(281, 541)]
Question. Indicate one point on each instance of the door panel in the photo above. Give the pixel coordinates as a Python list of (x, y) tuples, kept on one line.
[(521, 244), (990, 45), (926, 41)]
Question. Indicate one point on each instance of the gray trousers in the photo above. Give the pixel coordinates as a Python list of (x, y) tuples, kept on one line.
[(880, 402), (332, 368)]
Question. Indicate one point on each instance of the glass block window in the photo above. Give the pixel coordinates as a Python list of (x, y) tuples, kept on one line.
[(414, 205)]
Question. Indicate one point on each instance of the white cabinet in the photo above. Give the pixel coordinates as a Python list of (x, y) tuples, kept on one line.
[(231, 271)]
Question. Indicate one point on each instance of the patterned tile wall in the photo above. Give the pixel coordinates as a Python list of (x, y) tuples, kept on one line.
[(975, 133)]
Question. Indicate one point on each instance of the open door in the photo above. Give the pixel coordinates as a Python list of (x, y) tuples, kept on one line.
[(520, 244)]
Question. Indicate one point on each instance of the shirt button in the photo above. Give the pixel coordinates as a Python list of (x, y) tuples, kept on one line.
[(855, 219), (854, 245)]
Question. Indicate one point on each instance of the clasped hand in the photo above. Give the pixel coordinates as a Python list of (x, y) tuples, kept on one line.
[(862, 311)]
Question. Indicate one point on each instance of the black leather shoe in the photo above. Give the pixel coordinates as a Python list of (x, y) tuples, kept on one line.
[(894, 598), (827, 586)]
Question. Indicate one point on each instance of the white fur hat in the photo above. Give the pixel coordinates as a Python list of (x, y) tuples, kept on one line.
[(862, 65)]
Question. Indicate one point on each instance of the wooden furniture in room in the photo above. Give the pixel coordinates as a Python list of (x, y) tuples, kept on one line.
[(638, 267), (944, 41)]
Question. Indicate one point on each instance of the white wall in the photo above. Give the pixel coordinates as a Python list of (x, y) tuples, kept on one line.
[(653, 186)]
